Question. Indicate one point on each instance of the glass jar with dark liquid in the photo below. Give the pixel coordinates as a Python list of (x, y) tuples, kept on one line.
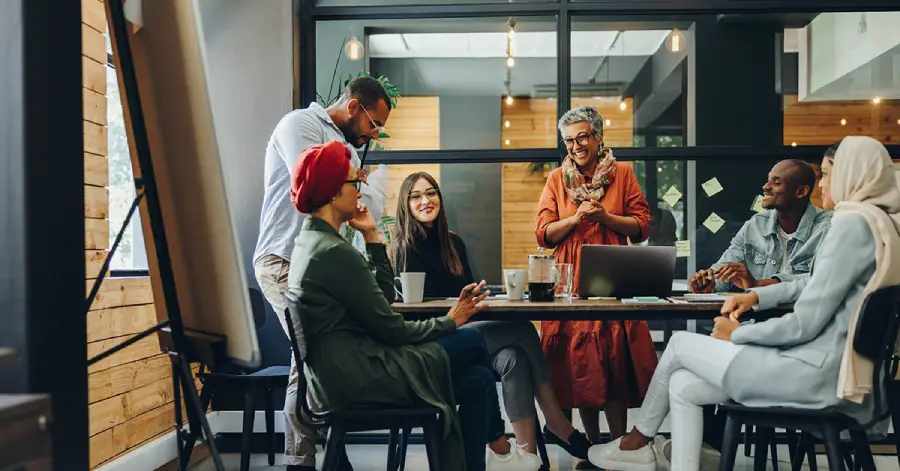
[(541, 279)]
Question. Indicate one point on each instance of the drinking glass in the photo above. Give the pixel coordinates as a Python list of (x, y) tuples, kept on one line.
[(564, 283)]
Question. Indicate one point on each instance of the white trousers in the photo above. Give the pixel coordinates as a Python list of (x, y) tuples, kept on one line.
[(689, 376)]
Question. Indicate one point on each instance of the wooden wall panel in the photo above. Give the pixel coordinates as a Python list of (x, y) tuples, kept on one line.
[(96, 170), (533, 124), (121, 321), (413, 125), (819, 122)]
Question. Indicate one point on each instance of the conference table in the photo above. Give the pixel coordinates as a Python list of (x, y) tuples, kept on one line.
[(579, 310)]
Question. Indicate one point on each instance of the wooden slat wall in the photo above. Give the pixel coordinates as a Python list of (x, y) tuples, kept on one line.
[(819, 123), (533, 124), (129, 393), (413, 125)]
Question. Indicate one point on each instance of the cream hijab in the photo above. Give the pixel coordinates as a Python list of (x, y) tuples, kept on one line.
[(863, 183)]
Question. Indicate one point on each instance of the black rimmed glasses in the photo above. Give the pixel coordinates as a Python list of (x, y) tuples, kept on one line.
[(581, 139), (431, 194), (356, 182)]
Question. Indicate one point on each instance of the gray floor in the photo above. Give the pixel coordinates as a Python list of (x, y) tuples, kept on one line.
[(372, 458)]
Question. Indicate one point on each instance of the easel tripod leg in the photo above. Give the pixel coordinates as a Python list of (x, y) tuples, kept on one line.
[(195, 412)]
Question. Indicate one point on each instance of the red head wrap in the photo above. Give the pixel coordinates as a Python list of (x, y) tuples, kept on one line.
[(318, 175)]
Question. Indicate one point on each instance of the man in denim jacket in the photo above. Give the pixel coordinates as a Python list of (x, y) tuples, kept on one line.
[(776, 245)]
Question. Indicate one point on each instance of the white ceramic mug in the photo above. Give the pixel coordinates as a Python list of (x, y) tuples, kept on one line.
[(515, 284), (412, 287)]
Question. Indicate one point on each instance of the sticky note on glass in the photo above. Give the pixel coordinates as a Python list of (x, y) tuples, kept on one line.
[(712, 186), (757, 205), (672, 196), (682, 248), (714, 223)]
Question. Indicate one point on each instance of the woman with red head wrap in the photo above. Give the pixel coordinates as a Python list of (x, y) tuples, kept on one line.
[(362, 353)]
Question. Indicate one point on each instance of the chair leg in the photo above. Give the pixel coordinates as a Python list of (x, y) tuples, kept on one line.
[(247, 433), (864, 459), (433, 444), (270, 425), (401, 451), (811, 452), (334, 448), (730, 441), (833, 446), (773, 446), (799, 452), (392, 450), (761, 448), (791, 443), (541, 446), (748, 439)]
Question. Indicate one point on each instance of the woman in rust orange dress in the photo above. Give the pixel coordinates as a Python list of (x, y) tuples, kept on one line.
[(592, 199)]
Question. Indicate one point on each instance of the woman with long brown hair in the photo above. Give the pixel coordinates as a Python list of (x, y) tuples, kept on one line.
[(422, 242)]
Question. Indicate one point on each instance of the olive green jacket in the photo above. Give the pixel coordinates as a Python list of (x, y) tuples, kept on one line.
[(360, 352)]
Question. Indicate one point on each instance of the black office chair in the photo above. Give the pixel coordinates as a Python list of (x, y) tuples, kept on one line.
[(266, 381), (341, 422), (875, 338)]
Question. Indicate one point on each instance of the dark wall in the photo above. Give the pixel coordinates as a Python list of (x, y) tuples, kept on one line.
[(250, 73), (472, 190)]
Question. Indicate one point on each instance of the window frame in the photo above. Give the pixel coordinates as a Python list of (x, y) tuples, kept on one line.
[(135, 221)]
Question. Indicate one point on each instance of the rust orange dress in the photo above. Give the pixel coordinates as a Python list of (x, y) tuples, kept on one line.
[(592, 362)]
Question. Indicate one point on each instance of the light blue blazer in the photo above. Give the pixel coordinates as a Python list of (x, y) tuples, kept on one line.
[(794, 360)]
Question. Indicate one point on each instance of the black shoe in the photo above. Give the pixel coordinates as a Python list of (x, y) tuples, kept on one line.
[(297, 467), (578, 445)]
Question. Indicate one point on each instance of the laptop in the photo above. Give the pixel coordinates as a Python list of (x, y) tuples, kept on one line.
[(623, 271)]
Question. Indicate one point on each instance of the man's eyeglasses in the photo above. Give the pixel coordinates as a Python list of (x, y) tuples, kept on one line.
[(582, 140), (356, 182), (375, 126), (430, 193)]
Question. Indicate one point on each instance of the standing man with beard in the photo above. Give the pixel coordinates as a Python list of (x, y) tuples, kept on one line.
[(776, 245), (358, 117)]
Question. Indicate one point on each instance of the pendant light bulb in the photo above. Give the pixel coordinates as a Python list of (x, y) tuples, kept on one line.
[(510, 61), (509, 100), (675, 42), (354, 49)]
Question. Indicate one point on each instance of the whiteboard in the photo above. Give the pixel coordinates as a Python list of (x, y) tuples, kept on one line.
[(211, 285)]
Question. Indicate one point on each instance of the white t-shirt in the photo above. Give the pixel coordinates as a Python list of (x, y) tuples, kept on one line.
[(784, 237)]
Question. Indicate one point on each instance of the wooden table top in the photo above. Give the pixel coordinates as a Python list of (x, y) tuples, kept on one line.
[(577, 310)]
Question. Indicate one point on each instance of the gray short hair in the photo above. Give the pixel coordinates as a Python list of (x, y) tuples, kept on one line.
[(585, 113)]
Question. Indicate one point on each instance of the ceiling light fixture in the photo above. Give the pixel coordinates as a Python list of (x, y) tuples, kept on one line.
[(354, 49), (675, 42), (506, 123), (623, 106), (876, 100), (608, 122), (507, 142), (793, 144), (510, 60), (843, 122), (509, 99)]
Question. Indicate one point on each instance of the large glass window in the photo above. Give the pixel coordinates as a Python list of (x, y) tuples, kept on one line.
[(842, 76), (473, 83)]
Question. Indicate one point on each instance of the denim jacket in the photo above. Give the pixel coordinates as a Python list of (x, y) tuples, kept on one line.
[(756, 245)]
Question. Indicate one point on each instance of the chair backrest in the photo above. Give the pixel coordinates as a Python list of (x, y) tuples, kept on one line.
[(876, 338), (294, 320)]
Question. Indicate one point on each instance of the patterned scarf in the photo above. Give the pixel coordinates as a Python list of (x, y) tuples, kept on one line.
[(578, 190)]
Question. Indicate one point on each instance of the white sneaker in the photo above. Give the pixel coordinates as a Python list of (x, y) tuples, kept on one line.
[(609, 456), (517, 460), (662, 448), (709, 456)]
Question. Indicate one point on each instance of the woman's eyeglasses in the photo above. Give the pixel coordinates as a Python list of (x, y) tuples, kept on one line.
[(581, 139), (430, 193), (356, 182)]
